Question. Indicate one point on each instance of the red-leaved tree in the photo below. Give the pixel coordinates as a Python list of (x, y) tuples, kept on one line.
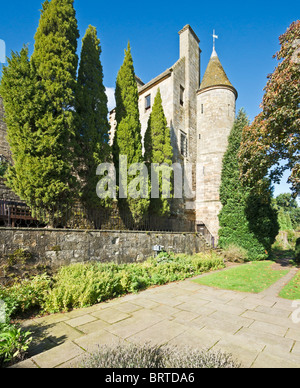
[(271, 144)]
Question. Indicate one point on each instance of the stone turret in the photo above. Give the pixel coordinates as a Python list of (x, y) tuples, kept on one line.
[(216, 107)]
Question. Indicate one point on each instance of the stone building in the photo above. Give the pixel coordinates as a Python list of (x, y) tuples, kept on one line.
[(200, 114)]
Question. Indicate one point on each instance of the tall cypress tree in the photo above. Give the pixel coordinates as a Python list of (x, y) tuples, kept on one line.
[(158, 150), (128, 138), (54, 62), (17, 90), (247, 218), (92, 122)]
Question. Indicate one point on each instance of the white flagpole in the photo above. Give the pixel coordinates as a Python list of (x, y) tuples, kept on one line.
[(214, 38)]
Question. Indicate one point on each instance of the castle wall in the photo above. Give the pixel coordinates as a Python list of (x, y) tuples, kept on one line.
[(189, 49), (58, 247), (165, 84)]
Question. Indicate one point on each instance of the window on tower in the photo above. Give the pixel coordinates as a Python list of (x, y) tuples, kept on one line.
[(181, 95)]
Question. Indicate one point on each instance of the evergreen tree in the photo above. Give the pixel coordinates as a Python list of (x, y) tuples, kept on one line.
[(128, 138), (247, 218), (50, 180), (92, 122), (17, 91), (158, 150)]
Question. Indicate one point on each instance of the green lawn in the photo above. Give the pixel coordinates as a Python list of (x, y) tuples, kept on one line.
[(292, 289), (253, 277)]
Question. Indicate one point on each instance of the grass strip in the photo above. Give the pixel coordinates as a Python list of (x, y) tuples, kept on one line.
[(292, 289), (253, 277)]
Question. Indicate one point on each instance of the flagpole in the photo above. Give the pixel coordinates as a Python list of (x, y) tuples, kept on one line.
[(214, 39)]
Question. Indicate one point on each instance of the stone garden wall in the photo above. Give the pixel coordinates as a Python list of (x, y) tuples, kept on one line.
[(64, 247)]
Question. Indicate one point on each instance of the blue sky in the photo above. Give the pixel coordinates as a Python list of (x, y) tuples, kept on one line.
[(248, 37)]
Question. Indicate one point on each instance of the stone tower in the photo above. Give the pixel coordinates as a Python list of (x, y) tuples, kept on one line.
[(216, 109)]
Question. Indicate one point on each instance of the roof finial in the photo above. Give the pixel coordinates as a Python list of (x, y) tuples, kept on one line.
[(214, 39)]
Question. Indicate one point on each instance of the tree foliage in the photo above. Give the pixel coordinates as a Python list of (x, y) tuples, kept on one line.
[(271, 143), (158, 150), (288, 211), (92, 127), (41, 129), (128, 138), (247, 219), (17, 91)]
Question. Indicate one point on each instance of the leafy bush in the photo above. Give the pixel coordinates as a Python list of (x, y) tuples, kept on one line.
[(25, 295), (13, 343), (83, 285), (156, 357), (235, 254)]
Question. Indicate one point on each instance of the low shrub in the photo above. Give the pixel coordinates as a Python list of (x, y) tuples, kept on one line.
[(83, 285), (26, 295), (14, 343), (148, 356), (235, 254), (21, 297)]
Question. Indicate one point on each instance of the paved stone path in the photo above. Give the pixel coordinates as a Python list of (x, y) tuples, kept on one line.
[(257, 329)]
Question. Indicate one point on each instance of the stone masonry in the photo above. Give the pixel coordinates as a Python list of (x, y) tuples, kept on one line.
[(64, 247)]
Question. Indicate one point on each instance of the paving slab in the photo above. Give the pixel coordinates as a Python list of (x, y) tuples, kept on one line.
[(58, 355), (257, 329), (159, 334)]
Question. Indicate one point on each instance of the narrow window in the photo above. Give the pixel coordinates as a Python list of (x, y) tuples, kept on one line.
[(183, 144), (148, 102), (181, 95), (202, 108)]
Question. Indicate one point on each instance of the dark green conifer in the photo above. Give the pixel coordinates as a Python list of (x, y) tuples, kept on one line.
[(247, 219), (92, 144), (158, 150), (128, 138), (54, 62), (17, 90)]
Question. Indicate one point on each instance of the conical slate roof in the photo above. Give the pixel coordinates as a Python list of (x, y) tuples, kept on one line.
[(215, 74)]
